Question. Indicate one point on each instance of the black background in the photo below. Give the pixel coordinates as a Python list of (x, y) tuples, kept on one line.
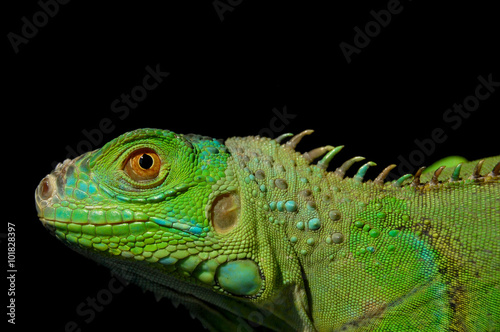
[(225, 78)]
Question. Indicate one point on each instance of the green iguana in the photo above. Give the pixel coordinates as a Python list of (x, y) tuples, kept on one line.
[(248, 232)]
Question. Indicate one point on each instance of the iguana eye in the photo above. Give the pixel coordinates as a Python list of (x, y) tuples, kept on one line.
[(143, 165)]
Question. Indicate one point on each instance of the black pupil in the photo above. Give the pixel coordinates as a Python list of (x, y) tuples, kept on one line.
[(146, 161)]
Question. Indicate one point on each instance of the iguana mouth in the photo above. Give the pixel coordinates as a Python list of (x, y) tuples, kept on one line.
[(54, 188)]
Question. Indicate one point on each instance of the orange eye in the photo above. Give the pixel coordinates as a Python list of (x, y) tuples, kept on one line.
[(143, 165)]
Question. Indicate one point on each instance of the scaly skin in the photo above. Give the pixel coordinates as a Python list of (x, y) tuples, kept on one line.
[(248, 232)]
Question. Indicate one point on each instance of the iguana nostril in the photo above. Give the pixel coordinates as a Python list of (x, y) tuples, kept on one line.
[(45, 188)]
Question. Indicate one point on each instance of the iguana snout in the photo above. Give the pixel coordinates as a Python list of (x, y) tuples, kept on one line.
[(52, 187)]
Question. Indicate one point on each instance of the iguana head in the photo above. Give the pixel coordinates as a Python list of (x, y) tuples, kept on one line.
[(188, 217), (164, 209)]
